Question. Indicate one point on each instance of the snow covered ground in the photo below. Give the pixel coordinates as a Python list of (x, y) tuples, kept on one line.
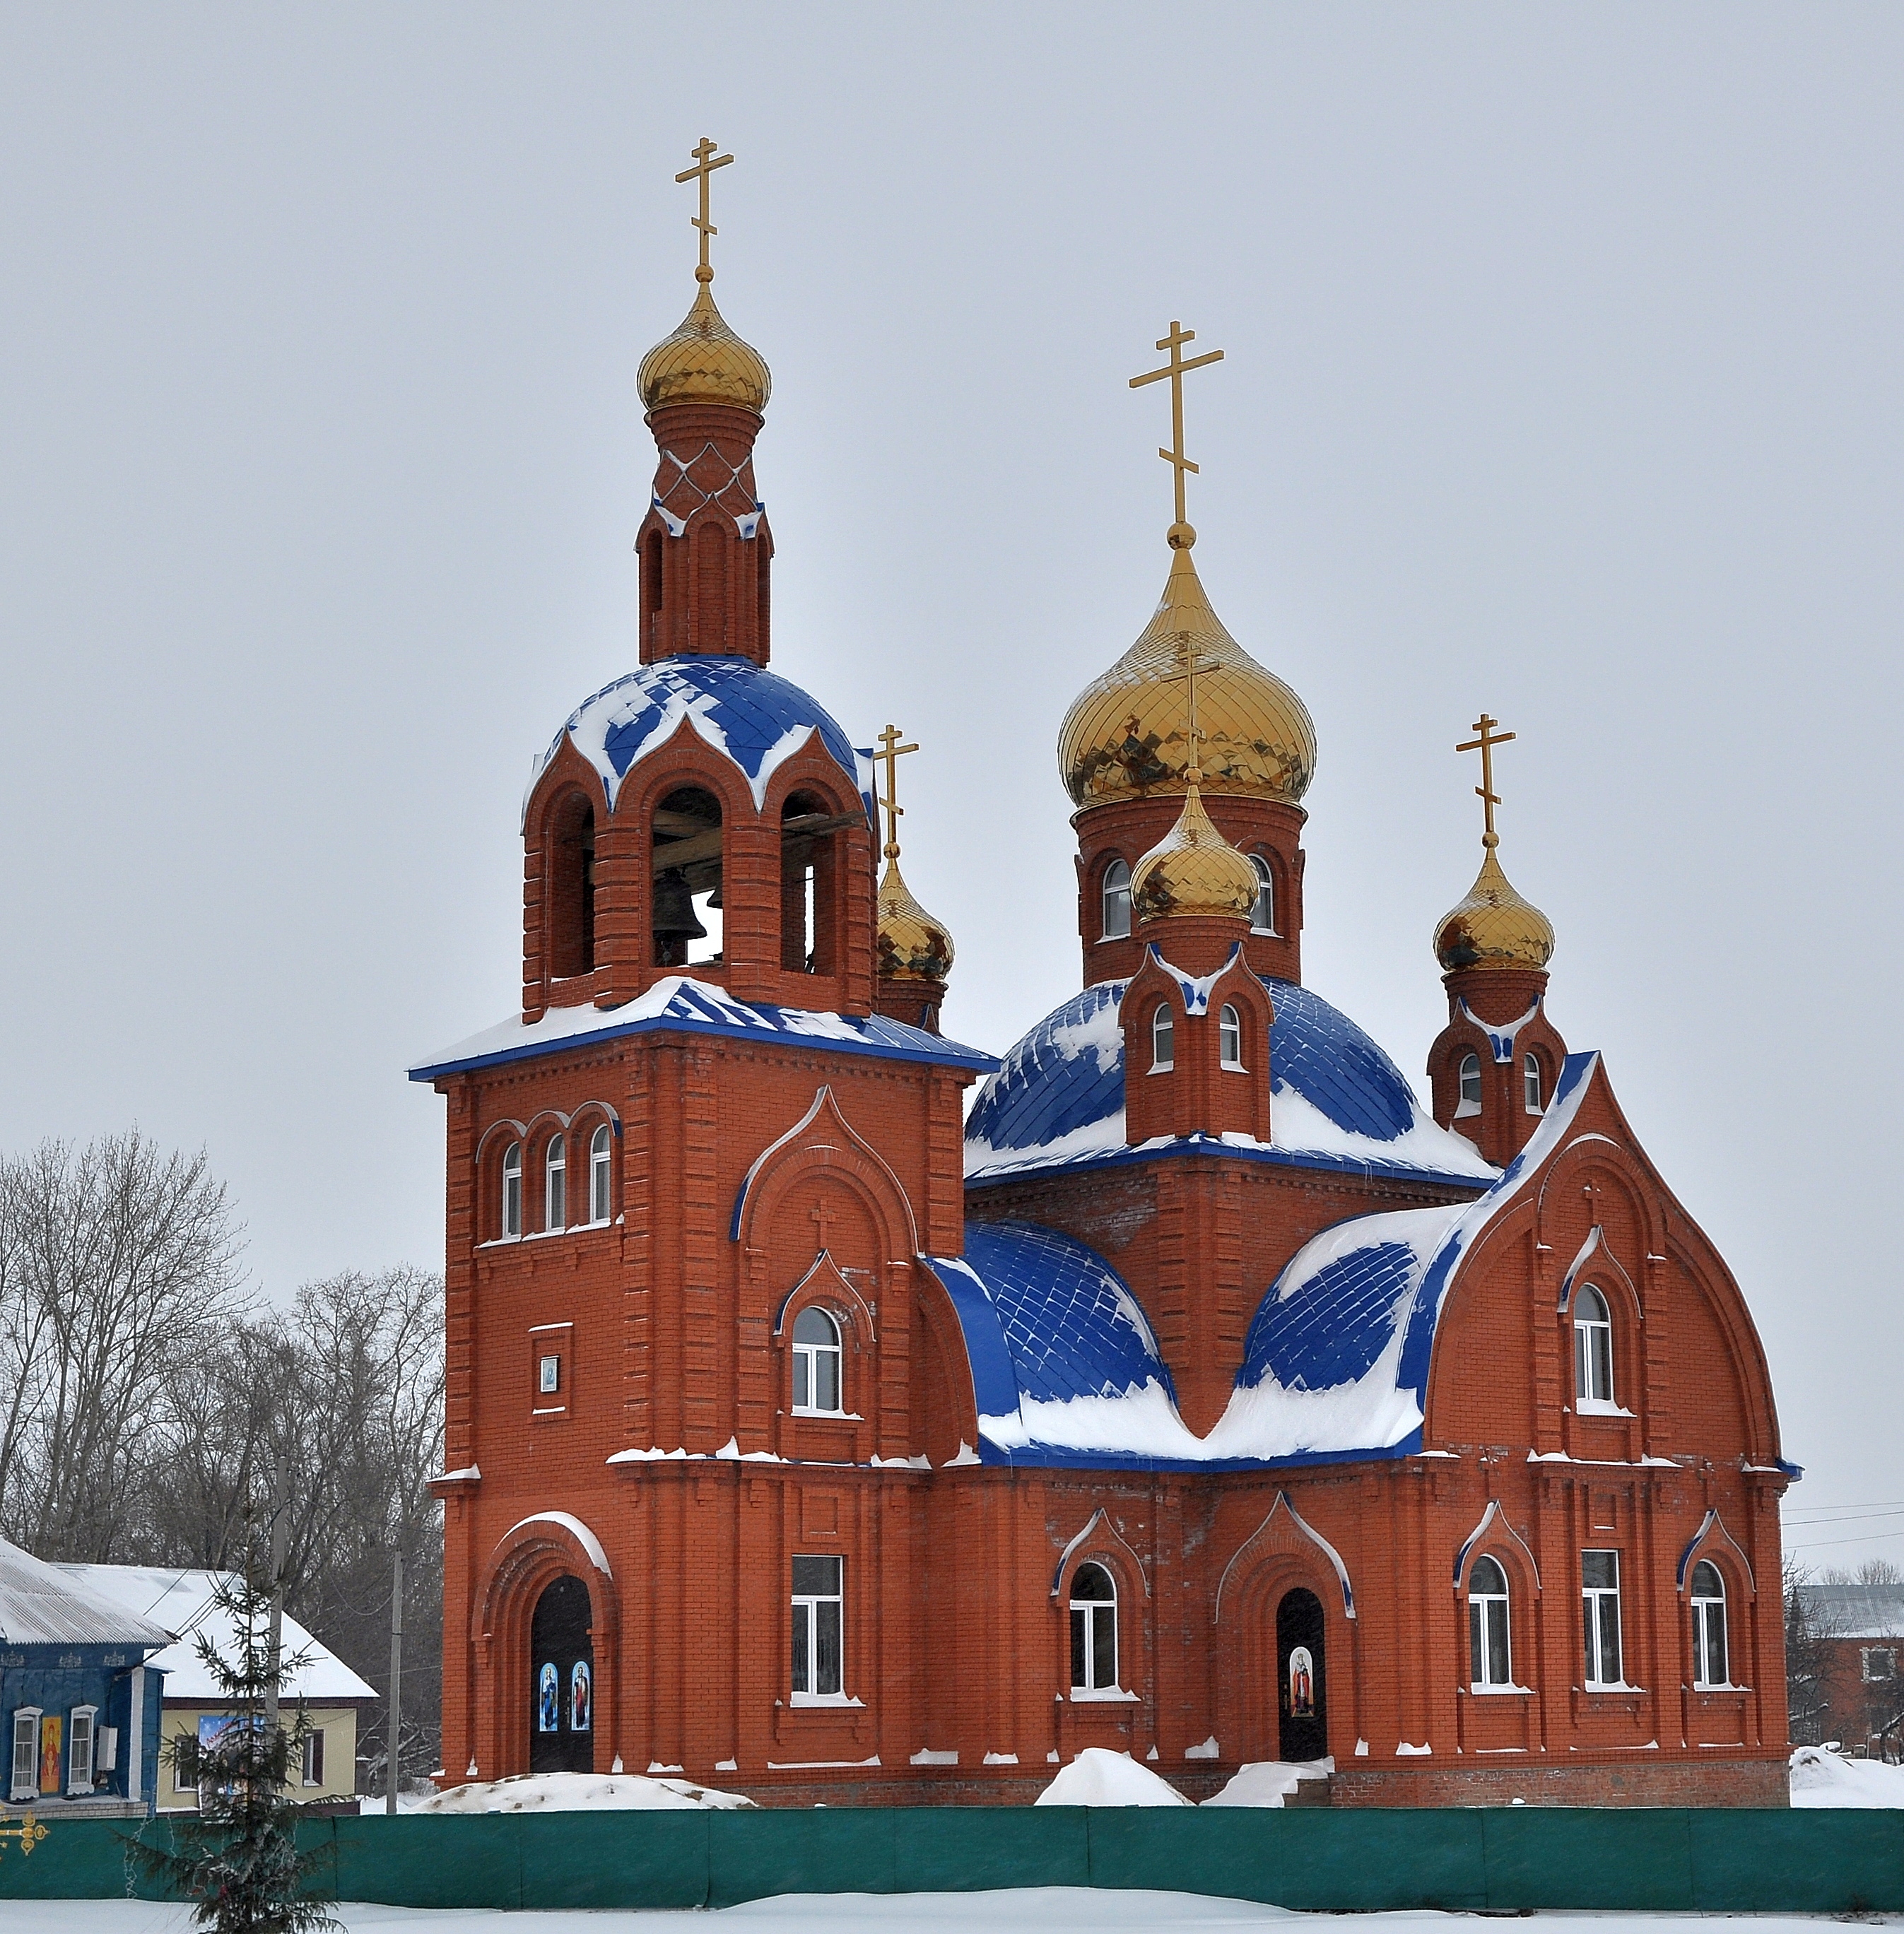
[(1821, 1778), (1054, 1910), (577, 1792)]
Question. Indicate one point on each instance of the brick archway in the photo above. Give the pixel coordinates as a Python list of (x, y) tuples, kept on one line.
[(528, 1559)]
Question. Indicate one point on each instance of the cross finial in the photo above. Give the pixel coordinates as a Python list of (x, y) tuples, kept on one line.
[(1485, 744), (889, 754), (1182, 536), (706, 161)]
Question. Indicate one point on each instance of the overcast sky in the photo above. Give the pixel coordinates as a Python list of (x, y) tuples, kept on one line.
[(1563, 379)]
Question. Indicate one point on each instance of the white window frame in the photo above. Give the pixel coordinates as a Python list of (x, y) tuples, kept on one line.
[(1490, 1627), (1708, 1623), (1262, 914), (1888, 1653), (548, 1374), (555, 1184), (1593, 1352), (1600, 1620), (310, 1774), (81, 1721), (1229, 1039), (1467, 1085), (813, 1610), (28, 1717), (1089, 1617), (1163, 1039), (1114, 909), (601, 1160), (813, 1360), (1530, 1083), (512, 1190)]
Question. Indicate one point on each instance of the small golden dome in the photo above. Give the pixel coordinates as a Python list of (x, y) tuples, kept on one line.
[(704, 362), (1493, 927), (1193, 870), (913, 946), (1127, 734)]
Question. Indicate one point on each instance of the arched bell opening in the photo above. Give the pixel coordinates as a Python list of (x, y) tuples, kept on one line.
[(572, 887), (561, 1679), (687, 855), (810, 884)]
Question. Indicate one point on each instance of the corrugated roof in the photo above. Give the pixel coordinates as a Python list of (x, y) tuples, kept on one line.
[(45, 1604), (1856, 1611)]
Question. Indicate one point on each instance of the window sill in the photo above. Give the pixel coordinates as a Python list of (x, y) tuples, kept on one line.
[(1622, 1691), (828, 1415), (824, 1702), (1702, 1690), (1110, 1695), (1232, 1067), (1467, 1111), (1501, 1691), (1164, 1068), (1599, 1406)]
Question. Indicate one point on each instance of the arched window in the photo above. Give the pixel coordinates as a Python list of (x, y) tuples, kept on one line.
[(555, 1171), (1163, 1040), (512, 1189), (1710, 1665), (809, 873), (1530, 1082), (1229, 1037), (1117, 901), (686, 866), (1093, 1631), (816, 1363), (1470, 1101), (1490, 1657), (571, 868), (1593, 1349), (598, 1171), (1263, 920)]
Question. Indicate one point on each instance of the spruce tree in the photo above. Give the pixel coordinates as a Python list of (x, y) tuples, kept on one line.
[(237, 1858)]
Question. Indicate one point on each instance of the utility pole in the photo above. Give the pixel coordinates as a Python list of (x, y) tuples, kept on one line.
[(394, 1704), (280, 1514)]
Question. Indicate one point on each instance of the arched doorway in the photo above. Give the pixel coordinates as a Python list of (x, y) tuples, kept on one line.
[(562, 1680), (1303, 1731)]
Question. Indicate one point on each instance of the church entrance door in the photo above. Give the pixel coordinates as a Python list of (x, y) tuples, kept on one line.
[(562, 1680), (1304, 1731)]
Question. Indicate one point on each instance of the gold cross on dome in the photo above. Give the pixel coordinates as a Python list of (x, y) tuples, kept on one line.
[(1175, 369), (889, 754), (706, 161), (1485, 746)]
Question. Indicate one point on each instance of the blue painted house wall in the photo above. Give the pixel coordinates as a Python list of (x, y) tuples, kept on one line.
[(57, 1679)]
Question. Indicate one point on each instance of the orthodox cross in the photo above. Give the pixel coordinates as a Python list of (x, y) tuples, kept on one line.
[(889, 754), (27, 1830), (706, 161), (1485, 746), (822, 1217), (1175, 369)]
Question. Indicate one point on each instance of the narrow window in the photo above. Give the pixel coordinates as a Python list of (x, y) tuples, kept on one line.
[(1163, 1040), (1530, 1080), (313, 1767), (1593, 1349), (1491, 1659), (548, 1375), (512, 1189), (1093, 1631), (1600, 1616), (1263, 920), (1709, 1663), (1229, 1037), (811, 865), (26, 1753), (79, 1759), (685, 863), (1880, 1662), (555, 1199), (571, 864), (817, 1635), (816, 1363), (598, 1161), (1470, 1101), (1117, 901)]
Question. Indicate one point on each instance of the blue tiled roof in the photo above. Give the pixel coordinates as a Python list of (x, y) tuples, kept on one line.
[(1068, 1325), (1333, 1330), (740, 707), (1048, 1086)]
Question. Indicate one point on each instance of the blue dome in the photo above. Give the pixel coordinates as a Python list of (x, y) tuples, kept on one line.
[(752, 716)]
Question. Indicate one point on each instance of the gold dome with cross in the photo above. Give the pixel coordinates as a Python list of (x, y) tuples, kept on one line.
[(912, 945), (1494, 926)]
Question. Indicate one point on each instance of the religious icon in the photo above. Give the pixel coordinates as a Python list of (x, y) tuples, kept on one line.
[(580, 1690), (51, 1727), (1302, 1684), (548, 1698)]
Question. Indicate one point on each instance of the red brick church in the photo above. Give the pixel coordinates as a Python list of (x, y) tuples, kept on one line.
[(1198, 1394)]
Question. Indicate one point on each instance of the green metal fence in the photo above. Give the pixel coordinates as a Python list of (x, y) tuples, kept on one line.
[(1733, 1861)]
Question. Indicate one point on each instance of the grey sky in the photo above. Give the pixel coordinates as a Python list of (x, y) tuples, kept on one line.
[(1563, 379)]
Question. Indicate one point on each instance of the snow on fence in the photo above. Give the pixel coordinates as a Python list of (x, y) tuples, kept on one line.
[(1634, 1859)]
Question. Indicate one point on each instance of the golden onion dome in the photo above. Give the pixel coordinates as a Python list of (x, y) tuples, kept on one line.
[(704, 362), (913, 946), (1193, 870), (1127, 734), (1493, 927)]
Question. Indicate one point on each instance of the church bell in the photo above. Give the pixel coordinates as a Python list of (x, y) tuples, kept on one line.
[(674, 908)]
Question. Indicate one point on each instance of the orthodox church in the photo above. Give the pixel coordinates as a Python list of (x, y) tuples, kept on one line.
[(819, 1430)]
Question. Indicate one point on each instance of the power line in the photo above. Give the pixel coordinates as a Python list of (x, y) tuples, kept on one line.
[(1819, 1544), (1848, 1517)]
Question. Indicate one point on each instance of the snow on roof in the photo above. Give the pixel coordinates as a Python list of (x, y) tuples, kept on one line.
[(1855, 1611), (678, 1004), (1057, 1100), (45, 1604), (181, 1601), (753, 716)]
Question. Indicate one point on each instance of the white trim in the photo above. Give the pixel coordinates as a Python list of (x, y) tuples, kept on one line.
[(574, 1525), (135, 1755), (1309, 1531)]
